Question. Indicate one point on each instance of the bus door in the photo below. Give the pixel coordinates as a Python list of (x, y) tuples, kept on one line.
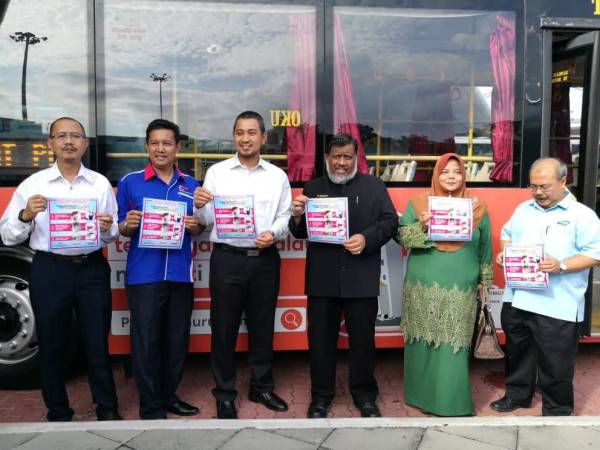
[(570, 129)]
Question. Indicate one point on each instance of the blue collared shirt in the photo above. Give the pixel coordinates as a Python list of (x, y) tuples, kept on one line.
[(151, 265), (567, 229)]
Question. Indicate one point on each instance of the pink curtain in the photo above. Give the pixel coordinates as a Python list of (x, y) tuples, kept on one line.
[(301, 140), (344, 110), (502, 54)]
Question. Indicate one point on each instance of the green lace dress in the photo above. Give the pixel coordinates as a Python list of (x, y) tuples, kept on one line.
[(438, 316)]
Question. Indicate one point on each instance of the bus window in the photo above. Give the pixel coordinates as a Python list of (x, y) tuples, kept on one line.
[(199, 64), (570, 69), (44, 59), (441, 81)]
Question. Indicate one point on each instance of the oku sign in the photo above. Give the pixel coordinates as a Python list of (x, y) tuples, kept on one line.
[(285, 118)]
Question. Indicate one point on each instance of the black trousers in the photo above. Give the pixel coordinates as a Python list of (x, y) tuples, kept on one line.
[(57, 288), (542, 348), (241, 283), (160, 331), (324, 316)]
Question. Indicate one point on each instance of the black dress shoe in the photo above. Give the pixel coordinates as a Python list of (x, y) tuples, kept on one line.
[(507, 404), (111, 415), (226, 409), (269, 400), (317, 410), (181, 408), (368, 409)]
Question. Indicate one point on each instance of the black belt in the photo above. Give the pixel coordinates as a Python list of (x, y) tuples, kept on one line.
[(73, 259), (248, 251)]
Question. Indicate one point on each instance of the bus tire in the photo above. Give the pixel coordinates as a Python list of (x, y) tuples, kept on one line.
[(19, 353)]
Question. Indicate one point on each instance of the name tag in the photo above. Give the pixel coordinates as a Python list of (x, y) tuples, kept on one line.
[(186, 195)]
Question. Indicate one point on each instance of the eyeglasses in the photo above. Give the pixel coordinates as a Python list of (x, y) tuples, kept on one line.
[(542, 187), (75, 137)]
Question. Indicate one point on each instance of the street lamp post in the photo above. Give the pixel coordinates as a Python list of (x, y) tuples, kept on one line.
[(29, 39), (160, 79)]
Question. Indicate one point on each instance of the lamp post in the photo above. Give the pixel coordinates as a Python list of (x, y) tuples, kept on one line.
[(160, 79), (29, 39)]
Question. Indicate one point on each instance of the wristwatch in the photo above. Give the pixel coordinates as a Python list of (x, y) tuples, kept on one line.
[(20, 217), (563, 267), (292, 212)]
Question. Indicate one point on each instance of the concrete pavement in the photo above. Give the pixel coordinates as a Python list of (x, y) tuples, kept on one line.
[(486, 433)]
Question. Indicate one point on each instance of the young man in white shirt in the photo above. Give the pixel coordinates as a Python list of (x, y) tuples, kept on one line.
[(244, 273), (67, 279)]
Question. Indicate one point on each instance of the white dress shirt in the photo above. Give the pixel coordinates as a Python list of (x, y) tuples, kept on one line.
[(267, 183), (51, 184)]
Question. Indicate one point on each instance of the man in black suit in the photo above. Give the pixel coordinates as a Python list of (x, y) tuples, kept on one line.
[(345, 277)]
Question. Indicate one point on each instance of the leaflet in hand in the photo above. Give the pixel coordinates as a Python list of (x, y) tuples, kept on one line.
[(163, 224), (451, 219), (522, 266), (327, 220), (234, 216), (73, 223)]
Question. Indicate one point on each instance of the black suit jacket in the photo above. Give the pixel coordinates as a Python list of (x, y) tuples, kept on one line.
[(331, 271)]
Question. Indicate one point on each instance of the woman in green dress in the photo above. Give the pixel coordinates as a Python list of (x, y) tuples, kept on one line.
[(440, 297)]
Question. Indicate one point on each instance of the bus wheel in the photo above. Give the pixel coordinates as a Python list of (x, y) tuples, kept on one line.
[(19, 356), (19, 353)]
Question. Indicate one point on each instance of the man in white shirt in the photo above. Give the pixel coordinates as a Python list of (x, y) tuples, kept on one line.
[(244, 272), (68, 274)]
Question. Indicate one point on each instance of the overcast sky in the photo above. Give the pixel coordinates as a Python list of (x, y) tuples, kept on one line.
[(222, 58)]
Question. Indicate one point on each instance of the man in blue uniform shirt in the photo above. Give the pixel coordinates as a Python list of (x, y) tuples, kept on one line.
[(158, 281), (542, 325)]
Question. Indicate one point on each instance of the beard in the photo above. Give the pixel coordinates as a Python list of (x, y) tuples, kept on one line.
[(341, 179)]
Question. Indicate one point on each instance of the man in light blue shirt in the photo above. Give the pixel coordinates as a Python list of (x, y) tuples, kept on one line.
[(542, 325)]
